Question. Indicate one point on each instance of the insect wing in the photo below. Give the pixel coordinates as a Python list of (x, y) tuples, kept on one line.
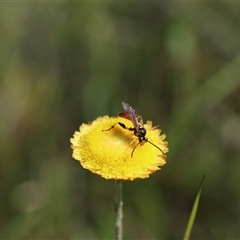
[(126, 106), (131, 114), (129, 110)]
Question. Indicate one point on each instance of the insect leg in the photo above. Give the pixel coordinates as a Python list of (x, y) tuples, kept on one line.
[(110, 127), (122, 125)]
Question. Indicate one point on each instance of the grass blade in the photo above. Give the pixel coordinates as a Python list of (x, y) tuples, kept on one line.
[(193, 213)]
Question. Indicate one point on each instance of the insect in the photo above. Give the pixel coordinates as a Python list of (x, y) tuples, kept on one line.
[(138, 128)]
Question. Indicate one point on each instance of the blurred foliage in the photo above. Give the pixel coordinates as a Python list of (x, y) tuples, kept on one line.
[(64, 63)]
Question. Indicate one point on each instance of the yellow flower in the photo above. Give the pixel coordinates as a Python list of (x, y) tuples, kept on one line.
[(108, 153)]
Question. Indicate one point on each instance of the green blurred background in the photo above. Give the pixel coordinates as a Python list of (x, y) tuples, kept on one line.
[(65, 63)]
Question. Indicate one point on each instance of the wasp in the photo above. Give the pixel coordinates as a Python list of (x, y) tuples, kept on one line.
[(138, 128)]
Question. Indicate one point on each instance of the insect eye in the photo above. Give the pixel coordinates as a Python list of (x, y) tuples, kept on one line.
[(143, 131)]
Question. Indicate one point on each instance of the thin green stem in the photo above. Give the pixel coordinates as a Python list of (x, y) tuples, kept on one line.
[(118, 209)]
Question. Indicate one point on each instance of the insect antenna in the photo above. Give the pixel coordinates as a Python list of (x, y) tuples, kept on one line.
[(156, 147), (134, 148), (148, 142)]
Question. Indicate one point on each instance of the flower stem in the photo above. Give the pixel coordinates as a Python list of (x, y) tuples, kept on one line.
[(118, 207)]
